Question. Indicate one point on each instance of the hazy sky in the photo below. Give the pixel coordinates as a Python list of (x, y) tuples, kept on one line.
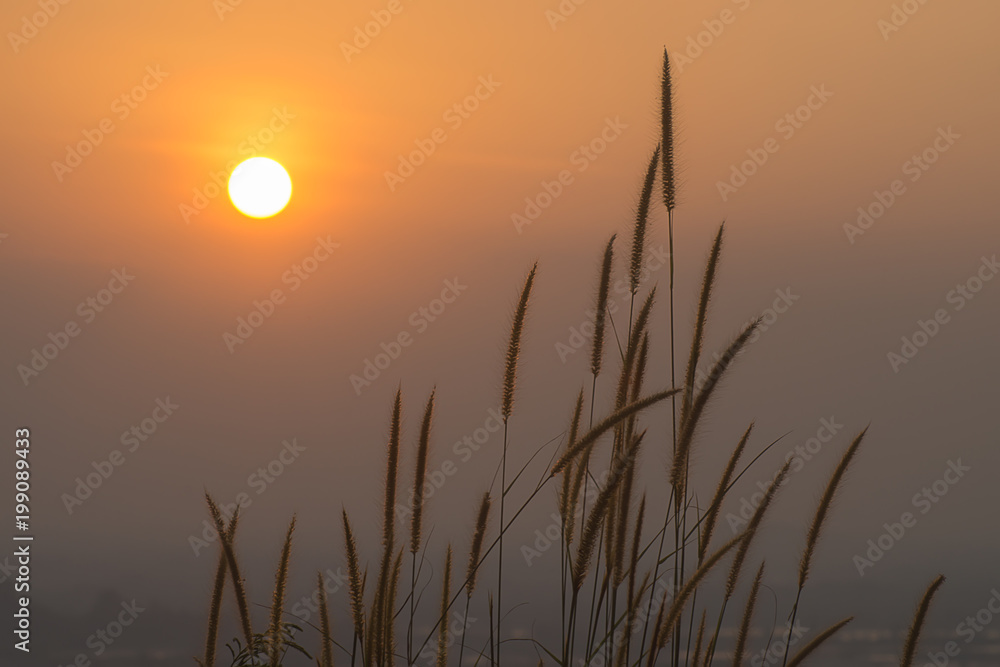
[(120, 118)]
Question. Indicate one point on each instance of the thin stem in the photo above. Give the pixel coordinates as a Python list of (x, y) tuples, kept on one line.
[(563, 555), (465, 624), (503, 496), (409, 627), (795, 611), (673, 402)]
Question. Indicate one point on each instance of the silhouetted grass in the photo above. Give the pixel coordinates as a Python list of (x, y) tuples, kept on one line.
[(604, 544)]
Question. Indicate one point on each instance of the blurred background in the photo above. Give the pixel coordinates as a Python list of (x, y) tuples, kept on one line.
[(424, 140)]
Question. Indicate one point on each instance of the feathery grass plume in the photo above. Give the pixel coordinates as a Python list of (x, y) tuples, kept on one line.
[(744, 633), (324, 623), (636, 544), (678, 469), (574, 427), (641, 223), (442, 656), (506, 409), (824, 507), (752, 527), (631, 352), (819, 519), (654, 640), (625, 501), (817, 642), (391, 473), (390, 608), (472, 570), (611, 530), (514, 346), (217, 590), (698, 340), (667, 142), (381, 620), (569, 492), (600, 313), (633, 597), (374, 645), (638, 377), (588, 539), (641, 362), (639, 328), (579, 477), (699, 641), (278, 600), (355, 585), (234, 570), (416, 518), (680, 601), (606, 425), (617, 515), (712, 515), (476, 549), (624, 507), (420, 472), (631, 613), (913, 637)]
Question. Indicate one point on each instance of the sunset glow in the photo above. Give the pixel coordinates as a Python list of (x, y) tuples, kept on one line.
[(260, 187)]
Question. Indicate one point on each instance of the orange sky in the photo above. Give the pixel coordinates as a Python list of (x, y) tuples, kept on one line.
[(278, 74)]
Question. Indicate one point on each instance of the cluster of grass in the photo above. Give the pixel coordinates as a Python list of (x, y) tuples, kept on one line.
[(627, 598)]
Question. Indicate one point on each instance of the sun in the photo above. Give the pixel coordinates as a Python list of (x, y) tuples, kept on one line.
[(260, 187)]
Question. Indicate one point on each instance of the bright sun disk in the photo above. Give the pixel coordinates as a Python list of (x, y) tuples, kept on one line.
[(260, 187)]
